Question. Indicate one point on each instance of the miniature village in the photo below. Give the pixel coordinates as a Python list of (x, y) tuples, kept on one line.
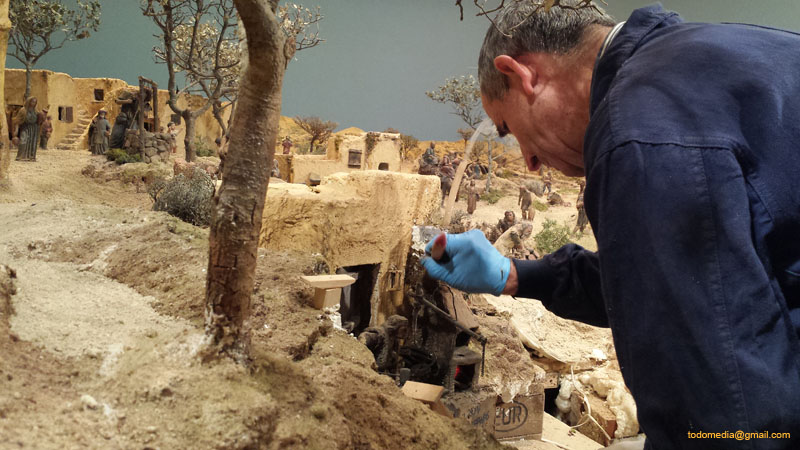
[(105, 218)]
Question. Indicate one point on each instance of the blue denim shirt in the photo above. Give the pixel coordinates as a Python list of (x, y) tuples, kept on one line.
[(692, 160)]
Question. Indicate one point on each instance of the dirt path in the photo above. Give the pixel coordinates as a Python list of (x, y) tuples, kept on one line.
[(56, 174), (88, 363), (69, 308)]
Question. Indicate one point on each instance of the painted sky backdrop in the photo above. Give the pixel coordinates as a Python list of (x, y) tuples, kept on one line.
[(379, 57)]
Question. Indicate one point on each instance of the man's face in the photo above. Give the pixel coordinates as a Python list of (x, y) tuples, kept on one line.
[(548, 126), (509, 217)]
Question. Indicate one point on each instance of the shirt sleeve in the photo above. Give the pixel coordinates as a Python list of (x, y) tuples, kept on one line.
[(567, 282)]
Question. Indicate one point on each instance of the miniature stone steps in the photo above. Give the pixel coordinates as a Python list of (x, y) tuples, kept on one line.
[(75, 137)]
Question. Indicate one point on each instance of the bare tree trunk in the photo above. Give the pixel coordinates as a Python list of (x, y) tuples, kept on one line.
[(28, 79), (224, 126), (311, 146), (188, 138), (239, 204)]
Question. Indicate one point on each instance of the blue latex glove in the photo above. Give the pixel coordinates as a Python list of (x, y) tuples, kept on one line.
[(475, 266)]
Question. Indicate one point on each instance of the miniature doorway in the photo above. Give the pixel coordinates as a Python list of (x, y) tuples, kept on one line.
[(356, 302)]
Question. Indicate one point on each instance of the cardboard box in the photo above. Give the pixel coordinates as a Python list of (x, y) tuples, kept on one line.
[(520, 418), (478, 408)]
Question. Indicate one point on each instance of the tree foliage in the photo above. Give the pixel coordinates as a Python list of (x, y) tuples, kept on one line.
[(39, 26), (301, 25), (208, 49), (407, 143), (464, 95), (320, 130), (465, 134)]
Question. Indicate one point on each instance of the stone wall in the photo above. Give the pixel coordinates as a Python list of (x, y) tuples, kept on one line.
[(154, 147)]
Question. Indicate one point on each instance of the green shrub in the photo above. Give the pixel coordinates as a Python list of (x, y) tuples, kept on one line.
[(493, 196), (539, 206), (506, 173), (552, 237), (187, 199), (201, 148), (120, 156)]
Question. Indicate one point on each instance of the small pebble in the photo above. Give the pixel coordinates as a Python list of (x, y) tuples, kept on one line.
[(89, 401)]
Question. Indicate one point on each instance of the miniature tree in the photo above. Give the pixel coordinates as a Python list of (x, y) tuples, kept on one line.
[(407, 143), (320, 130), (465, 134), (464, 95), (39, 26), (198, 39), (299, 23), (239, 203)]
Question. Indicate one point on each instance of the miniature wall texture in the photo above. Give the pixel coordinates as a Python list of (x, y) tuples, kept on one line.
[(361, 217), (386, 151)]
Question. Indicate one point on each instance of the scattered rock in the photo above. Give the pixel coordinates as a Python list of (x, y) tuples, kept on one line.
[(88, 401)]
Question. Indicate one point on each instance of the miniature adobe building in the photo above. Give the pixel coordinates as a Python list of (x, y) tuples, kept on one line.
[(360, 225), (346, 152), (74, 101)]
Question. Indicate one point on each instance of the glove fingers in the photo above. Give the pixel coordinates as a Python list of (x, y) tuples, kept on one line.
[(435, 269)]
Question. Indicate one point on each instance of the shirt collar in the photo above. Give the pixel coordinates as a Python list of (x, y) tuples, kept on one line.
[(620, 44)]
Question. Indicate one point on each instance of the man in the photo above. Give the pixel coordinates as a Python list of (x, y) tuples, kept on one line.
[(287, 145), (446, 168), (429, 157), (102, 130), (582, 219), (555, 199), (688, 137), (547, 179), (276, 171), (472, 197), (509, 220), (46, 132), (172, 129), (525, 201)]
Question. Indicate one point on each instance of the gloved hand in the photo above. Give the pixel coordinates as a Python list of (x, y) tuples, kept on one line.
[(475, 266)]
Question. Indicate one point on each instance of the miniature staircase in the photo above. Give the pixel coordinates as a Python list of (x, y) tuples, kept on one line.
[(76, 136)]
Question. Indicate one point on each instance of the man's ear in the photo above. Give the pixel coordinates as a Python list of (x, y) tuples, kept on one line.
[(512, 68)]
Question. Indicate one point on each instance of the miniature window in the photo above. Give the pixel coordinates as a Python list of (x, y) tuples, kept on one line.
[(99, 95), (354, 159), (383, 166), (65, 114)]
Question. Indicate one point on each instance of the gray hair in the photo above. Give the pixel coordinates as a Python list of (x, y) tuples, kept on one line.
[(557, 31)]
